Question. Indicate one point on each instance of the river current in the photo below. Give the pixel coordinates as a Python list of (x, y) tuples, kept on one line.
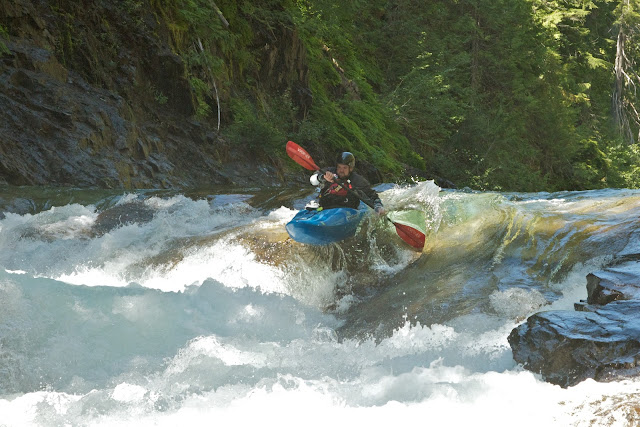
[(164, 308)]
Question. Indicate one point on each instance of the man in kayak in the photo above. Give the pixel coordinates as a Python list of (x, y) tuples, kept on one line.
[(341, 184)]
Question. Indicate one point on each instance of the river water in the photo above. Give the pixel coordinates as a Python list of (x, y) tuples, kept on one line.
[(162, 308)]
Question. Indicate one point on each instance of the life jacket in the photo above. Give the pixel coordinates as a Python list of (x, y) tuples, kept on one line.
[(337, 189), (336, 196)]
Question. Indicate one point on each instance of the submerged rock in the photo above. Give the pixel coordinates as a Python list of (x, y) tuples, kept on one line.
[(127, 213)]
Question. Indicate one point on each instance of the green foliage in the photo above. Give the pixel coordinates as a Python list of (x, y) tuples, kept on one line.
[(3, 35), (347, 112), (626, 172), (492, 94), (626, 99), (253, 131), (160, 97), (503, 94)]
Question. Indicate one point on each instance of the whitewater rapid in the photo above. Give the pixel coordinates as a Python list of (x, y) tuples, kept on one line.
[(156, 308)]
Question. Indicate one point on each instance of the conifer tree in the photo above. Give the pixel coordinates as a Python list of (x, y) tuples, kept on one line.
[(624, 98)]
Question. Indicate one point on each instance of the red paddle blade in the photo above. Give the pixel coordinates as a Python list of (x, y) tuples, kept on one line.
[(410, 235), (300, 156)]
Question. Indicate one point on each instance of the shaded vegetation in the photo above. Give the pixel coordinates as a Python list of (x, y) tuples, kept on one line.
[(492, 94), (521, 95), (3, 35)]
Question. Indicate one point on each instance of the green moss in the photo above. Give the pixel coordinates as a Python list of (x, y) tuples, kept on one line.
[(492, 94), (345, 112), (251, 130), (3, 36), (527, 111)]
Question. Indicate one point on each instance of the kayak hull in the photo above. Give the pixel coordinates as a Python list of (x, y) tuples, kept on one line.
[(313, 227)]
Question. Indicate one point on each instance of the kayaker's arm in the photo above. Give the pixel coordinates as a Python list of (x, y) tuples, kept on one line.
[(317, 179), (364, 190), (322, 176), (377, 206), (367, 195), (377, 203)]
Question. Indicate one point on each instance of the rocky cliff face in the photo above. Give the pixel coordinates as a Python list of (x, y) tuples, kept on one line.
[(91, 98)]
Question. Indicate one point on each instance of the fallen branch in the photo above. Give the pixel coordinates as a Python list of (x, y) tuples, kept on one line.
[(213, 80), (220, 15)]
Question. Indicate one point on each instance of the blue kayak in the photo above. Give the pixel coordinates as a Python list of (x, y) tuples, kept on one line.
[(322, 227)]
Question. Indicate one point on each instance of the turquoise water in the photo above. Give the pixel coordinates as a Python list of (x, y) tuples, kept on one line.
[(160, 308)]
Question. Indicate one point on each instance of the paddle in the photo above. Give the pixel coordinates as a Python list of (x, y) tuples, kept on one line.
[(301, 157), (410, 235)]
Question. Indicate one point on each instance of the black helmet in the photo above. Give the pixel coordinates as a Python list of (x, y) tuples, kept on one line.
[(346, 158)]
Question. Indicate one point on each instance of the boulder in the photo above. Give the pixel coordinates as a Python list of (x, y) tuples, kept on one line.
[(600, 340), (614, 283), (567, 347)]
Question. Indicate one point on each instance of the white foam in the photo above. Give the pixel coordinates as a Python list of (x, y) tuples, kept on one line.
[(128, 393), (370, 390), (253, 345), (517, 302)]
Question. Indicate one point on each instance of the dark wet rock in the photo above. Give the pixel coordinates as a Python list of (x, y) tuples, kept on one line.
[(134, 212), (568, 347), (19, 206), (600, 340), (615, 283), (91, 99), (59, 130)]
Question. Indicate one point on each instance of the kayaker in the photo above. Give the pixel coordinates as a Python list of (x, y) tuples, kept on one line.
[(338, 185)]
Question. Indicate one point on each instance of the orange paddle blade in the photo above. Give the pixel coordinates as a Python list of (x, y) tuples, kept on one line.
[(300, 156), (410, 235)]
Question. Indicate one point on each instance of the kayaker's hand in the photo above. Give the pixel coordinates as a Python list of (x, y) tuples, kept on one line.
[(329, 176), (380, 211)]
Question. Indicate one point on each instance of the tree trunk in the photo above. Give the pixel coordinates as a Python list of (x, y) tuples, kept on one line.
[(475, 51), (618, 97), (623, 98)]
